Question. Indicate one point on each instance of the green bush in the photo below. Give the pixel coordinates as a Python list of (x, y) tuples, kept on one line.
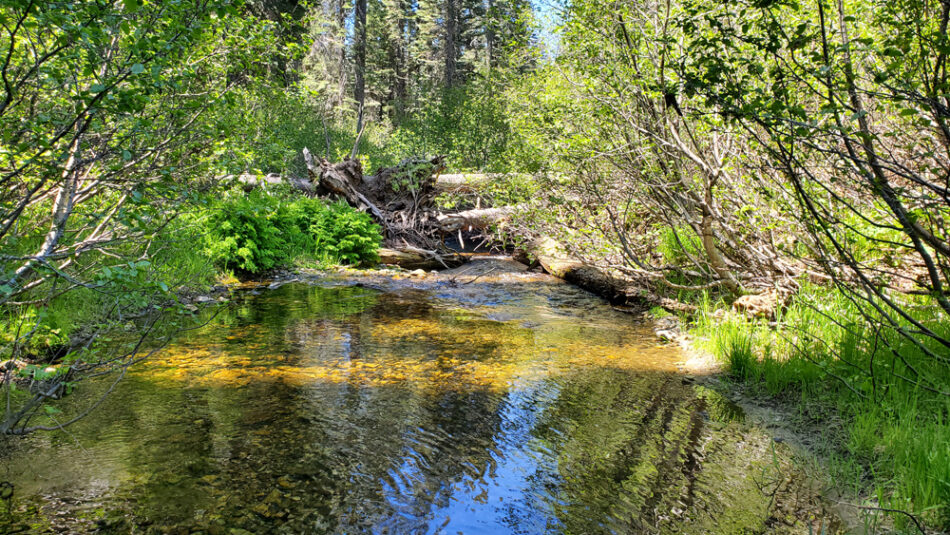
[(345, 234), (257, 232), (470, 125)]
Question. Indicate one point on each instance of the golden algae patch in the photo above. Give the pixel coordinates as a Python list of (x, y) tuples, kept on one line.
[(458, 367)]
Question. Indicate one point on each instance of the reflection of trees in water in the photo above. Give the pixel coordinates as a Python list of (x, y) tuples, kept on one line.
[(318, 459), (405, 451), (634, 455), (281, 320), (323, 458)]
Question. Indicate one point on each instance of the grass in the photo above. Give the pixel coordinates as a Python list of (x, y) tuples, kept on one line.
[(884, 437)]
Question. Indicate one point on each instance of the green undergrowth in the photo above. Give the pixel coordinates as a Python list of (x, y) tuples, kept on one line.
[(469, 125), (884, 437), (259, 231), (212, 239), (47, 319)]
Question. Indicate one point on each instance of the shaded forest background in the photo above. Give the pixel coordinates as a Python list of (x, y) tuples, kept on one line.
[(421, 77)]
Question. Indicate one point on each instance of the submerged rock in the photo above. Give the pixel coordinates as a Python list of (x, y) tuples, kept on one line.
[(667, 328)]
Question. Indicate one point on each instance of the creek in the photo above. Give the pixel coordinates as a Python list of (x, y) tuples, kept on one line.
[(502, 402)]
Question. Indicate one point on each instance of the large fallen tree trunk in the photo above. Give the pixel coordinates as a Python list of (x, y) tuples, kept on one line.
[(555, 261), (443, 183), (597, 280), (414, 258), (251, 182), (475, 219)]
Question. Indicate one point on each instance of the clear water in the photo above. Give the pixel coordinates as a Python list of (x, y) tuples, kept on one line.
[(503, 403)]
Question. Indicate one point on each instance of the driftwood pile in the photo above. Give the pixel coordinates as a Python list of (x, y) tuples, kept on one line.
[(402, 200)]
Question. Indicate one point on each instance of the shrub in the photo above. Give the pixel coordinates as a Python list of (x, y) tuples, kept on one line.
[(346, 235), (257, 232)]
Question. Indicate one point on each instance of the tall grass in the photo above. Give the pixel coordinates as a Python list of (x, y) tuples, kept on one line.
[(885, 437)]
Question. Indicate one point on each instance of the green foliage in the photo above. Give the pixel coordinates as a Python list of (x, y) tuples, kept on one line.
[(248, 233), (885, 436), (117, 286), (259, 231), (338, 231), (679, 245), (271, 126), (468, 124)]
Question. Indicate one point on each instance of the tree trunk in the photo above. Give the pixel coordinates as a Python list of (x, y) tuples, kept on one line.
[(341, 28), (360, 36), (490, 33), (413, 258), (403, 43), (555, 261), (451, 51), (475, 219)]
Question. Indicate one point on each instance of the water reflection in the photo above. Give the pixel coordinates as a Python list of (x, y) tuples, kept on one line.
[(496, 407)]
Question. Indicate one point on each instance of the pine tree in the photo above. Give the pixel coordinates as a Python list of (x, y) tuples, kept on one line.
[(359, 31)]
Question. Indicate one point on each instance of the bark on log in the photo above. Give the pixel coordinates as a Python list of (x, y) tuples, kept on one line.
[(418, 259), (442, 182), (475, 219), (251, 182), (556, 262), (599, 281), (462, 183)]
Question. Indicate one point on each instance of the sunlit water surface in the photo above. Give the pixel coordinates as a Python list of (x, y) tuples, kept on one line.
[(498, 404)]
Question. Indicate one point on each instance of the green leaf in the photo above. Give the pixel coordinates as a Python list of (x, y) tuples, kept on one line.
[(138, 68)]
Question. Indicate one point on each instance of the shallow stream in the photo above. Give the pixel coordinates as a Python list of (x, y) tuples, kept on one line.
[(503, 402)]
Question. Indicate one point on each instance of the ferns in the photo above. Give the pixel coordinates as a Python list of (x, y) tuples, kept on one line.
[(258, 232)]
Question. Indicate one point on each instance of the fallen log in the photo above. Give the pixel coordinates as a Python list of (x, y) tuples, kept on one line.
[(250, 182), (442, 182), (617, 290), (412, 258), (475, 219), (460, 179), (463, 183), (556, 262)]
